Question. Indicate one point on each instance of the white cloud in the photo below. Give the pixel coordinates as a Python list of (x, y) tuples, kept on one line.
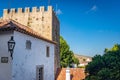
[(94, 8), (58, 12)]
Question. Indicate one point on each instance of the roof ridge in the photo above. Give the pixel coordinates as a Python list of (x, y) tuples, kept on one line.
[(3, 22), (24, 29), (21, 25)]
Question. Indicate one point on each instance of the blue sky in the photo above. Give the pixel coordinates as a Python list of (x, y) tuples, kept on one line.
[(89, 26)]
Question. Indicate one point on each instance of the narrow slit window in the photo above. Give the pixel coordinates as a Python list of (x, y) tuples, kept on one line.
[(47, 51)]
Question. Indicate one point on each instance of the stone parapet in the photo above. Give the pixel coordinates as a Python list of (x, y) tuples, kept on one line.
[(27, 10)]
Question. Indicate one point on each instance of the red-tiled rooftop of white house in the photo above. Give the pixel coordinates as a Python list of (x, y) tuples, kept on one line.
[(76, 74), (8, 25)]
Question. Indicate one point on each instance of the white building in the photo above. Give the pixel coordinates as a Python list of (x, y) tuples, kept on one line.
[(33, 56)]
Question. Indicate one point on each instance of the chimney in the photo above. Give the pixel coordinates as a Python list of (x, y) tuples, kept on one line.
[(68, 73)]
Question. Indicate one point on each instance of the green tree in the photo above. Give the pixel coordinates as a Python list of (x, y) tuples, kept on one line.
[(76, 61), (66, 55), (105, 67)]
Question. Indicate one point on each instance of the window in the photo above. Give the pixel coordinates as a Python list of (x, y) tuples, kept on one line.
[(28, 44), (47, 51), (39, 72)]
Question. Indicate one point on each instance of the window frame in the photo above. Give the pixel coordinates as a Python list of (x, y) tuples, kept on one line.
[(38, 67)]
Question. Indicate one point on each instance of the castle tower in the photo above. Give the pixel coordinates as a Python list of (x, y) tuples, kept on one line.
[(42, 20)]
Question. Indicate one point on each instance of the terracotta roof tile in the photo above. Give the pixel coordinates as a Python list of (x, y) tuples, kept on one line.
[(76, 74), (13, 25)]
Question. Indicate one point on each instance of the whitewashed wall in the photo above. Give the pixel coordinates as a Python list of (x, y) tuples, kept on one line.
[(25, 61), (23, 65), (5, 68)]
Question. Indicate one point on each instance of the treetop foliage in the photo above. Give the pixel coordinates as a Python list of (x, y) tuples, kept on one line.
[(105, 67), (66, 55)]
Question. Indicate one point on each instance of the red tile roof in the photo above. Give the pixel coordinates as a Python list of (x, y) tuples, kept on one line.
[(13, 25), (76, 74)]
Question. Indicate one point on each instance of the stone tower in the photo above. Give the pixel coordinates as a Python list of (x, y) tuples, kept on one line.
[(42, 20)]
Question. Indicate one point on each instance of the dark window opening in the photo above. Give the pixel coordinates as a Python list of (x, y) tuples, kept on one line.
[(47, 51), (28, 44)]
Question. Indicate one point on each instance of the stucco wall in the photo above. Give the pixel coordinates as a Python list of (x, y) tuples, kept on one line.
[(5, 68), (23, 65), (25, 61)]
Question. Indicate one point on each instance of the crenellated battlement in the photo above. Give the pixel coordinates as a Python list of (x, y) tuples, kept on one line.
[(27, 10)]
